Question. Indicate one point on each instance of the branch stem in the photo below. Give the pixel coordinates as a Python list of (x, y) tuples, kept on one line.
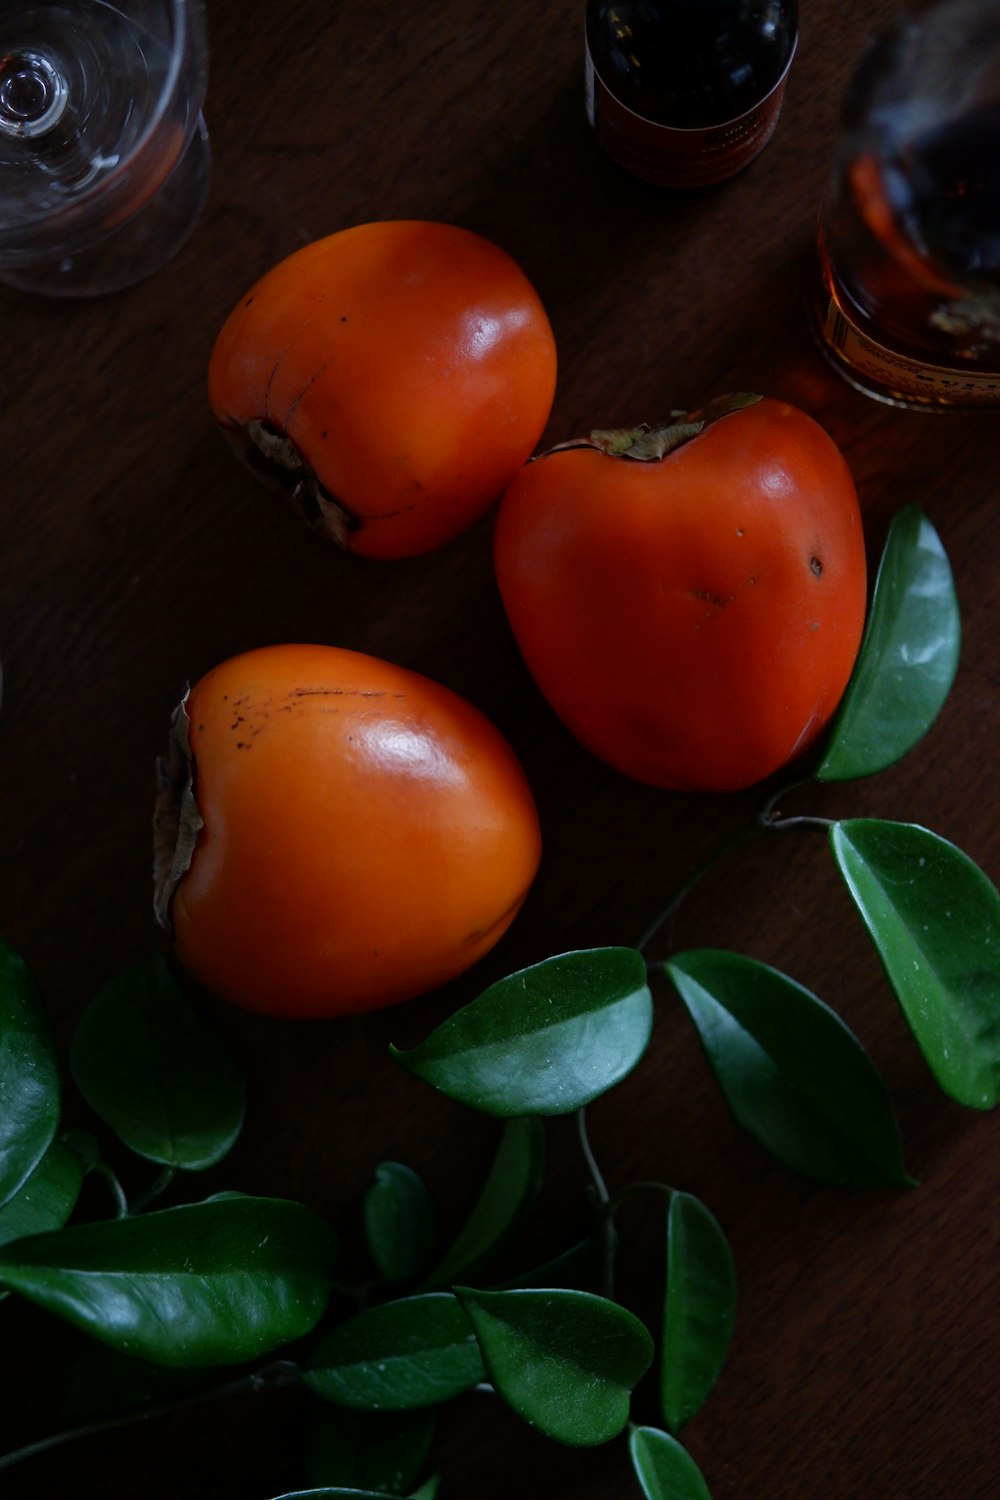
[(603, 1197), (156, 1187), (117, 1191), (273, 1377), (740, 837), (767, 820), (593, 1170)]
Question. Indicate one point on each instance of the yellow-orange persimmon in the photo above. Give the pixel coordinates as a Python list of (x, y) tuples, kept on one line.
[(336, 833), (690, 599), (391, 377)]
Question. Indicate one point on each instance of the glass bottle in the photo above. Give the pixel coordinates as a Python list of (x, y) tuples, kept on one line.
[(683, 93), (907, 297)]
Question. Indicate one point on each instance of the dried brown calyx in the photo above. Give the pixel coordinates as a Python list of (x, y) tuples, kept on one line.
[(275, 460), (646, 443), (176, 819)]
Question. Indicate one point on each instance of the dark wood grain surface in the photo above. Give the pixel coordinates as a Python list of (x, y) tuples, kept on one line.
[(136, 554)]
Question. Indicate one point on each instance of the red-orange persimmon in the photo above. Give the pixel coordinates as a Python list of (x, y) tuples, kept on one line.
[(393, 377), (337, 833), (690, 600)]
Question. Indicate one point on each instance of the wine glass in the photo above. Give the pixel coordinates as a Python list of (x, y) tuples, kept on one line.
[(104, 156)]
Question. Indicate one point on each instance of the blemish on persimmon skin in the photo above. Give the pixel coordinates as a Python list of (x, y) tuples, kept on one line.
[(816, 566), (705, 596)]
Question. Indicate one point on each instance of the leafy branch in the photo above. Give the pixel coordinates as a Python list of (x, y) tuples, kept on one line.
[(232, 1280)]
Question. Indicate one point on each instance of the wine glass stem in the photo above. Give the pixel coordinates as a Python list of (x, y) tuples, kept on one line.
[(36, 110), (33, 95)]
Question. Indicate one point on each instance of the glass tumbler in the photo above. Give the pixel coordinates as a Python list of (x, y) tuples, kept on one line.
[(908, 309), (104, 156)]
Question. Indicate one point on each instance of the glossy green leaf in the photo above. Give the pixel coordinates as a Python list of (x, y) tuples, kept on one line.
[(428, 1490), (699, 1308), (664, 1469), (934, 917), (908, 657), (86, 1146), (149, 1063), (565, 1361), (416, 1351), (400, 1221), (792, 1073), (334, 1494), (29, 1076), (545, 1040), (206, 1284), (48, 1197), (372, 1450), (509, 1191)]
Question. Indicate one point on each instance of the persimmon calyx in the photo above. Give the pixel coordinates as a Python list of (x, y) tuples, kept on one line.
[(176, 818), (276, 460), (646, 443)]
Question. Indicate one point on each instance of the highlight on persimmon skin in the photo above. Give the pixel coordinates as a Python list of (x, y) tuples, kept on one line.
[(689, 599), (390, 378), (336, 833)]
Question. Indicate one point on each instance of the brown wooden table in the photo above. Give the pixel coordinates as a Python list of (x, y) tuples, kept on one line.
[(136, 554)]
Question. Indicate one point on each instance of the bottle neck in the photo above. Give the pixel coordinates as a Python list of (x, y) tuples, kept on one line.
[(691, 64)]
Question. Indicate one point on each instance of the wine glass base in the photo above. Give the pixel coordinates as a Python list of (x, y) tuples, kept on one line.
[(131, 252)]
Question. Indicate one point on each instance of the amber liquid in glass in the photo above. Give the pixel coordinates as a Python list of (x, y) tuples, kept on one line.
[(906, 299)]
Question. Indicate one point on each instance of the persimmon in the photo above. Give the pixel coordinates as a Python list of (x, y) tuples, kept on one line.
[(690, 600), (391, 378), (336, 833)]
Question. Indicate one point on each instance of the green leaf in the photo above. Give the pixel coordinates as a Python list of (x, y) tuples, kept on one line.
[(372, 1450), (400, 1221), (908, 657), (699, 1310), (564, 1361), (29, 1076), (86, 1146), (545, 1040), (416, 1351), (428, 1490), (334, 1494), (205, 1284), (934, 917), (792, 1073), (509, 1192), (664, 1469), (149, 1064), (48, 1197)]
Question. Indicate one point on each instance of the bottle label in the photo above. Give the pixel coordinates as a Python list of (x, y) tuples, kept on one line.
[(900, 375), (670, 157)]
